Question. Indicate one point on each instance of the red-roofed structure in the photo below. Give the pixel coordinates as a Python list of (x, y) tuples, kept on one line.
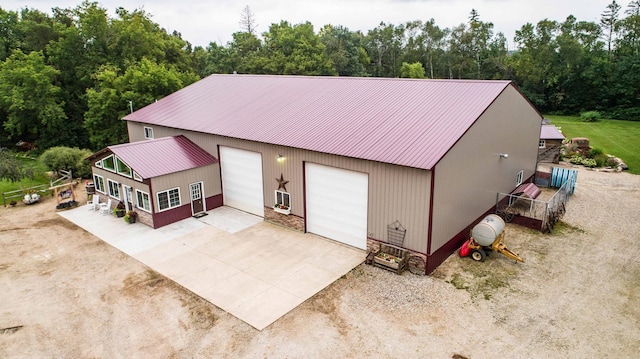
[(344, 157), (141, 175), (550, 144)]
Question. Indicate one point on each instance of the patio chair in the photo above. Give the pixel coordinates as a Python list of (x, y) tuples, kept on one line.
[(94, 204), (105, 207)]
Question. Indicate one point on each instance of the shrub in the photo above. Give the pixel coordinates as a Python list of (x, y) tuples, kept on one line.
[(589, 162), (601, 160), (67, 158), (590, 116), (576, 160), (595, 152)]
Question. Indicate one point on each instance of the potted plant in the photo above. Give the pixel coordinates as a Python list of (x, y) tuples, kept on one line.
[(119, 210), (131, 217)]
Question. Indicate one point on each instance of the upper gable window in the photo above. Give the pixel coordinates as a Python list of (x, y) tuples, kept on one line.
[(108, 163), (148, 132), (123, 169)]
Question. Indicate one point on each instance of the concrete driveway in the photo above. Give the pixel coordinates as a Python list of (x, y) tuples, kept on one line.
[(252, 269)]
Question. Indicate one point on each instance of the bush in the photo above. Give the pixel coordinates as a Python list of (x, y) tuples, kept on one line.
[(595, 152), (589, 162), (590, 116), (68, 159), (576, 160)]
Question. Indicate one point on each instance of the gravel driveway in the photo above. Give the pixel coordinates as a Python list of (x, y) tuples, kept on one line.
[(66, 294)]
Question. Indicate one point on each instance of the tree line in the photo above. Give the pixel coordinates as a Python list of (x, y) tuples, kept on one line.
[(66, 79)]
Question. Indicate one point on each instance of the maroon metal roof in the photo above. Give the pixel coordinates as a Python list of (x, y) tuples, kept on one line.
[(550, 132), (153, 158), (407, 122), (528, 189)]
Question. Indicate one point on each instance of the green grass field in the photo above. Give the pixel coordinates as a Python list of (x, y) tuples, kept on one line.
[(39, 170), (618, 138)]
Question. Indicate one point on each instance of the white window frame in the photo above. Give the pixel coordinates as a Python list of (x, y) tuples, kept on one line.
[(98, 182), (519, 178), (148, 132), (142, 206), (99, 164), (169, 204), (283, 198), (542, 144), (118, 161), (114, 188), (114, 164), (137, 177)]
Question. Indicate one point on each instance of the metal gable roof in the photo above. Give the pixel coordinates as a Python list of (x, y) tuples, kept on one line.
[(153, 158), (406, 122), (550, 132)]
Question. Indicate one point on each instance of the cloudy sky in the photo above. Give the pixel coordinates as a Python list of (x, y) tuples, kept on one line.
[(201, 22)]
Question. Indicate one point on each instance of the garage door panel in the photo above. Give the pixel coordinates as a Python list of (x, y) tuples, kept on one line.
[(242, 180), (337, 204)]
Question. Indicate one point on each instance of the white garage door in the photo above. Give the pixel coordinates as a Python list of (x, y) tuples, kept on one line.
[(337, 204), (242, 180)]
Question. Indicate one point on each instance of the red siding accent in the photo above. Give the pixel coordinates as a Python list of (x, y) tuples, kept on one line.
[(214, 202), (164, 218)]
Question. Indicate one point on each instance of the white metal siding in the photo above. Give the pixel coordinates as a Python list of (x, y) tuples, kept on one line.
[(337, 204), (242, 180)]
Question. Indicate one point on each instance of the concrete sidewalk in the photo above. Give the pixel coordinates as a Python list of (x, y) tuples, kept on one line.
[(252, 269)]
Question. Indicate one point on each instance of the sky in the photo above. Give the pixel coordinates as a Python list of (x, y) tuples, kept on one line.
[(201, 22)]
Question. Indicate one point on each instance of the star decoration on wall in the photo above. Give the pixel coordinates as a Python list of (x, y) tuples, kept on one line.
[(282, 183)]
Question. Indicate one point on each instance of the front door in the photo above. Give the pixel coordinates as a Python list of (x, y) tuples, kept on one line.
[(197, 205), (128, 197)]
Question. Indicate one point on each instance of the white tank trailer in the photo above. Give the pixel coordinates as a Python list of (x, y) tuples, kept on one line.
[(488, 235)]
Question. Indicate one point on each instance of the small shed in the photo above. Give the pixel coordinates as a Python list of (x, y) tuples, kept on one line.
[(164, 180), (550, 144)]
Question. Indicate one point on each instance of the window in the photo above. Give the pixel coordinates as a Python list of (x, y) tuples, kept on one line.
[(98, 181), (144, 202), (99, 164), (283, 199), (109, 164), (519, 178), (542, 144), (136, 176), (148, 132), (114, 189), (123, 169), (168, 199)]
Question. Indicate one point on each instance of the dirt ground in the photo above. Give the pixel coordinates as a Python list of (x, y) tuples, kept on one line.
[(66, 294)]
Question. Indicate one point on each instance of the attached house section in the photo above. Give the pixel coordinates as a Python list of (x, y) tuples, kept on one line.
[(163, 180)]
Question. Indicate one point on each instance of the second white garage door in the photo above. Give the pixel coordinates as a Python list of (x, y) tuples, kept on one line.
[(242, 180), (336, 201)]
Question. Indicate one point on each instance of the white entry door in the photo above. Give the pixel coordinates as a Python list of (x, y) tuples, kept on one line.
[(242, 180), (336, 204)]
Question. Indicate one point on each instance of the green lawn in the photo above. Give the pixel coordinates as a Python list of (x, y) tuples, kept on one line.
[(618, 138), (40, 177)]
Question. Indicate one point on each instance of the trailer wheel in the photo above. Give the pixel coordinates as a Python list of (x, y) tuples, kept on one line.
[(478, 255)]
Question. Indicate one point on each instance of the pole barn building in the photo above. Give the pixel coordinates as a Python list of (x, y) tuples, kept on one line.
[(345, 157)]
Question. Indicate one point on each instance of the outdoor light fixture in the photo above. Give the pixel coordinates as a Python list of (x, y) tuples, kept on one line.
[(504, 155), (280, 158)]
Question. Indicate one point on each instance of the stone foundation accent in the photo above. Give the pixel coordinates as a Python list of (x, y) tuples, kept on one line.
[(144, 218), (417, 261), (289, 221)]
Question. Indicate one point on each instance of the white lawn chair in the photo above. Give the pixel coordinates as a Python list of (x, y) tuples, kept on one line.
[(105, 207), (94, 204)]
